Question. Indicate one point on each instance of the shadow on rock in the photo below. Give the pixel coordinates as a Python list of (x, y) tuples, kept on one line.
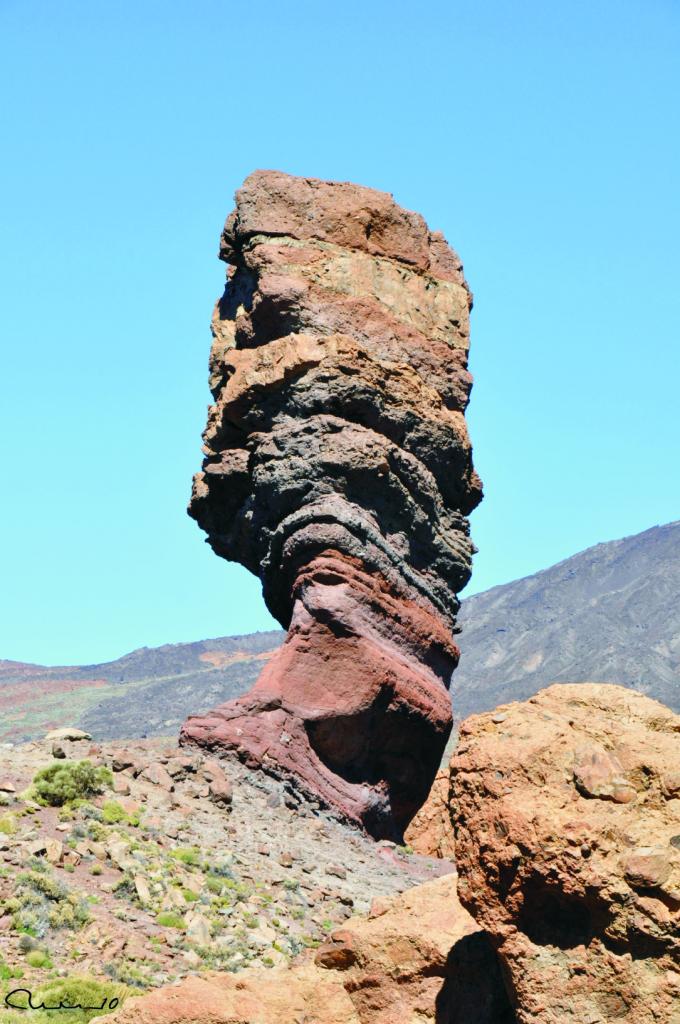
[(473, 992)]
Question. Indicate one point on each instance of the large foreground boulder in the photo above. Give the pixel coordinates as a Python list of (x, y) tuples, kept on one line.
[(430, 832), (567, 824), (419, 958), (338, 469)]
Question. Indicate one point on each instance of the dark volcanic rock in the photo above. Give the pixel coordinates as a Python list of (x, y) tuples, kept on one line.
[(338, 468)]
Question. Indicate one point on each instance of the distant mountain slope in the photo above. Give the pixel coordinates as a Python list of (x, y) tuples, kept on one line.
[(148, 692), (609, 614)]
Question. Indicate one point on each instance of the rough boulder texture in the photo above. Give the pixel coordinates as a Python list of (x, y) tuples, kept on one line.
[(338, 469), (567, 823), (430, 833)]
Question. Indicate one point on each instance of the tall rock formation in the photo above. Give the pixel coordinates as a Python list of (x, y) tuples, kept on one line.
[(338, 469), (566, 811)]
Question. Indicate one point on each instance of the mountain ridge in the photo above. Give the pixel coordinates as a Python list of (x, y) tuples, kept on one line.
[(609, 613)]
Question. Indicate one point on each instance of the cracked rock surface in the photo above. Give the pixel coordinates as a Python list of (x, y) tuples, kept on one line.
[(566, 811)]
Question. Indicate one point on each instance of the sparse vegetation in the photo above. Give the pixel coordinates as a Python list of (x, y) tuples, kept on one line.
[(7, 972), (112, 812), (189, 855), (41, 903), (167, 919), (98, 997), (158, 873), (38, 958)]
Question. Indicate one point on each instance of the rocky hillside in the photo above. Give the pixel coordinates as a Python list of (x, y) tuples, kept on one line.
[(177, 864), (148, 692), (609, 614)]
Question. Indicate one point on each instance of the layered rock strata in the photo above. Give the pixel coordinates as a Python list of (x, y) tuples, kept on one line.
[(566, 811), (338, 469)]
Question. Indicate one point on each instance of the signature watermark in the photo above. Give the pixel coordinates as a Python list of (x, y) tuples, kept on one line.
[(28, 1004)]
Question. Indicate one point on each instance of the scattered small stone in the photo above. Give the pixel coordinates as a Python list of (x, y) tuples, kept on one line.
[(220, 790), (37, 848), (158, 776), (121, 785), (670, 784), (598, 773), (68, 733), (648, 867), (198, 929), (123, 759), (142, 888)]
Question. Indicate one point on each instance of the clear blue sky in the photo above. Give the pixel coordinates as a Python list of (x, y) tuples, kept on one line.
[(542, 138)]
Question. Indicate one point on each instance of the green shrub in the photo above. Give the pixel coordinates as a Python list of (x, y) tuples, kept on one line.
[(214, 884), (125, 888), (70, 913), (89, 811), (7, 972), (38, 958), (186, 854), (65, 781), (170, 920), (41, 903), (8, 825), (112, 813), (96, 831), (222, 871), (126, 973)]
